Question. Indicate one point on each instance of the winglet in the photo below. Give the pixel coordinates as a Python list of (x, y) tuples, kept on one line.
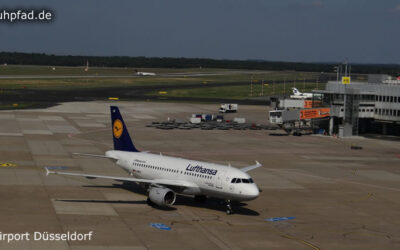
[(248, 168)]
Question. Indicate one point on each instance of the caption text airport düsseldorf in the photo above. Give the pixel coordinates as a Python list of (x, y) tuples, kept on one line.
[(46, 236)]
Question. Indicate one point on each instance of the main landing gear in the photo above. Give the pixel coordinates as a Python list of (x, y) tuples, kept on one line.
[(228, 207)]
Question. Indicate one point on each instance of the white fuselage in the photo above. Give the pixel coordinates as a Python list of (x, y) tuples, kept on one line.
[(145, 74), (210, 179), (302, 96)]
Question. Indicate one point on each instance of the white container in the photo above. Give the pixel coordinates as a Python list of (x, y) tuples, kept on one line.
[(195, 120), (239, 120)]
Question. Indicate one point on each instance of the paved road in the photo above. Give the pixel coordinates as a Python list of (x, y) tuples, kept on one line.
[(339, 198)]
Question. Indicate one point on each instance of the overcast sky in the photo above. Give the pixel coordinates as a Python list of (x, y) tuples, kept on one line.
[(366, 31)]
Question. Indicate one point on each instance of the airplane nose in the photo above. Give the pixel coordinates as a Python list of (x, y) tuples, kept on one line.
[(253, 192)]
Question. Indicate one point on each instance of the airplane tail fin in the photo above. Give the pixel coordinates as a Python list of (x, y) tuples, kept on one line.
[(296, 91), (122, 140)]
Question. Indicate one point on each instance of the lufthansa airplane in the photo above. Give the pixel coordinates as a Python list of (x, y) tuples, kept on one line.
[(165, 176)]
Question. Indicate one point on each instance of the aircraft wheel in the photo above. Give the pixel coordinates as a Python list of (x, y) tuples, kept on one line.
[(228, 208)]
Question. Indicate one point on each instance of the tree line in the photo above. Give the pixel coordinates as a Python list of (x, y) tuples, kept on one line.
[(18, 58)]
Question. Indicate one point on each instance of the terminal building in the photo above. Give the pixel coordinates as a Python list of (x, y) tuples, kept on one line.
[(346, 109), (362, 107)]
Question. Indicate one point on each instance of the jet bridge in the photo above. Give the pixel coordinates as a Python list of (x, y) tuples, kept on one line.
[(288, 116), (288, 119)]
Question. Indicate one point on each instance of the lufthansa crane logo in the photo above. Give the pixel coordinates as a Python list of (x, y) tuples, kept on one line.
[(118, 128)]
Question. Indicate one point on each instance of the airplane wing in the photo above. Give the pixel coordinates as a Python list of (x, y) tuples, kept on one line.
[(249, 168), (176, 183)]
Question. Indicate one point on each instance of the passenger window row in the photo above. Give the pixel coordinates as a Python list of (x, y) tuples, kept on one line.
[(198, 175), (156, 167), (171, 170)]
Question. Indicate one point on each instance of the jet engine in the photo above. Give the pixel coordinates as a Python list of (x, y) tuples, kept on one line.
[(163, 197)]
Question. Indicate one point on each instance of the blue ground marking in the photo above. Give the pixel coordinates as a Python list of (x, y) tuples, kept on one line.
[(280, 218), (160, 226), (56, 168)]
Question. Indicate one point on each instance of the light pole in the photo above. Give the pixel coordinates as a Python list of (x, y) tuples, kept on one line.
[(251, 86)]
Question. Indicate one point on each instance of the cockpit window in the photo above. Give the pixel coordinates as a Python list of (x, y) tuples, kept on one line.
[(239, 180)]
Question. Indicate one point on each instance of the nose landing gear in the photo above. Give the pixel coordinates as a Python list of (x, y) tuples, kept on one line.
[(228, 207)]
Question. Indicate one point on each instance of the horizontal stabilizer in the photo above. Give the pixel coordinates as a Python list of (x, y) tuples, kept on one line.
[(93, 155)]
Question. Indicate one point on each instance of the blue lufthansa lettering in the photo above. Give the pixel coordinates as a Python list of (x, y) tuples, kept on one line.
[(202, 170)]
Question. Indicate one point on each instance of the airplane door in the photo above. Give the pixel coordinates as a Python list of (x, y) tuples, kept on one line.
[(220, 178), (228, 183), (231, 187)]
